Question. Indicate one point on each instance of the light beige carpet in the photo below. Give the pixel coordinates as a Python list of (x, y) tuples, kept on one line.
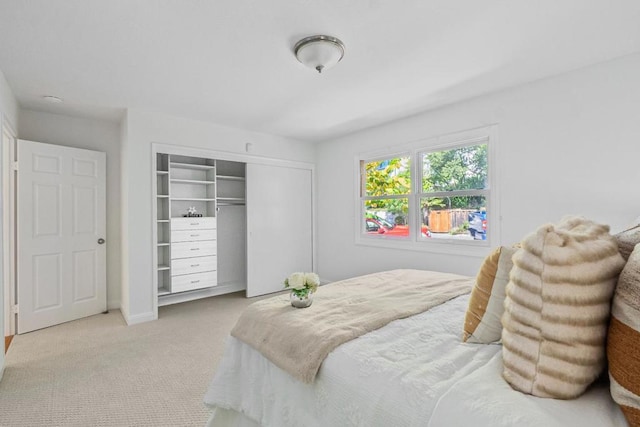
[(99, 372)]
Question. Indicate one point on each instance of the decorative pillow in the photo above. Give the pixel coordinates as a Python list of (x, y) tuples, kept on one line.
[(623, 344), (627, 240), (557, 308), (486, 305)]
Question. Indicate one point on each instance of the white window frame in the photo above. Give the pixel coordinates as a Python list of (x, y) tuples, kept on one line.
[(363, 197), (415, 150)]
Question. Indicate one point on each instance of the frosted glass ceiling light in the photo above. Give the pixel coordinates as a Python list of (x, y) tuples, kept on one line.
[(319, 52)]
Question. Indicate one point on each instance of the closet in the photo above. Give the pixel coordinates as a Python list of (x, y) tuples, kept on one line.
[(200, 227), (227, 222)]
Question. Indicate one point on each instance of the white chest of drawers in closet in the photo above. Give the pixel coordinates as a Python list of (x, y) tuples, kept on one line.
[(193, 253)]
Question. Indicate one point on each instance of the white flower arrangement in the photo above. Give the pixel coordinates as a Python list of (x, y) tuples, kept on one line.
[(301, 284)]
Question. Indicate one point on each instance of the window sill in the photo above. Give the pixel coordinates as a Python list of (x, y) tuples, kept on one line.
[(477, 249)]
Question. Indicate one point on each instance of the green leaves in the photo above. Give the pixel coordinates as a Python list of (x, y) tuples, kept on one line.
[(461, 168), (386, 177)]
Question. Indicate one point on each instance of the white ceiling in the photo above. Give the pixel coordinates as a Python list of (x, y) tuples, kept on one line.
[(231, 61)]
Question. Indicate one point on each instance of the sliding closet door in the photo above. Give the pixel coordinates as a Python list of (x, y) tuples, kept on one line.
[(279, 226)]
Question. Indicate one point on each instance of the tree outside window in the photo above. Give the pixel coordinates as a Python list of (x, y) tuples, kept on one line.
[(387, 183)]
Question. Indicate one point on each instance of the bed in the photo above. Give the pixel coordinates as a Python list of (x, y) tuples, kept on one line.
[(414, 371)]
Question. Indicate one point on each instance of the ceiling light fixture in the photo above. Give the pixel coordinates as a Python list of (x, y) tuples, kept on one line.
[(319, 52), (52, 99)]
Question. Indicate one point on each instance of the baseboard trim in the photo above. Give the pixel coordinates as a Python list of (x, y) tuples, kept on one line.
[(137, 318)]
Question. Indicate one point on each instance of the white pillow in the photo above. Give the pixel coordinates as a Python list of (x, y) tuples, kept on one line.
[(482, 320)]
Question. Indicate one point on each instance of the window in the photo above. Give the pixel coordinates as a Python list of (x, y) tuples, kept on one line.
[(428, 195), (385, 190), (454, 190)]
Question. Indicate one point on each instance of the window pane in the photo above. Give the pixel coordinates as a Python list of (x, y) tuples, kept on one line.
[(461, 168), (385, 177), (460, 218), (387, 217)]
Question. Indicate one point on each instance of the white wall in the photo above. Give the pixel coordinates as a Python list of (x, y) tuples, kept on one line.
[(569, 144), (8, 114), (140, 130), (8, 104), (92, 135)]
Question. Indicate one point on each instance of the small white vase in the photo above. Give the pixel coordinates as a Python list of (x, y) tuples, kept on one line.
[(301, 302)]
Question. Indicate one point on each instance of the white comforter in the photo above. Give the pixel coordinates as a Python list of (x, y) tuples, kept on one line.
[(412, 372)]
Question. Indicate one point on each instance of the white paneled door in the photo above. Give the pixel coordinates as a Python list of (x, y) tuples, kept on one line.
[(279, 226), (61, 228)]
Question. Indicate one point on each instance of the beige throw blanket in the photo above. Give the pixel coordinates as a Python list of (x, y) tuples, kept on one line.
[(298, 340)]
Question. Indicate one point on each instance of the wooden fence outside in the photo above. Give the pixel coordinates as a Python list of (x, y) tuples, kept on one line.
[(446, 220)]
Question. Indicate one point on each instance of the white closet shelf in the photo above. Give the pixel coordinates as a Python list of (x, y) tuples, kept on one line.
[(192, 181), (192, 166), (162, 267), (191, 199), (163, 220), (230, 177), (163, 172), (231, 199), (163, 291), (163, 196), (163, 244)]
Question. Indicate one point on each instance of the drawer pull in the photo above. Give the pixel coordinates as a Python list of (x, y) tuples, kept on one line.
[(194, 223), (195, 281), (194, 235), (195, 265), (195, 249)]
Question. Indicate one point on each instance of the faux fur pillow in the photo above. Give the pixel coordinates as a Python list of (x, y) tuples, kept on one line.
[(482, 321), (627, 240), (557, 308), (623, 343)]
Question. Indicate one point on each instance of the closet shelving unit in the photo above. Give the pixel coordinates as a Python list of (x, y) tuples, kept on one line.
[(192, 184), (162, 213), (188, 247)]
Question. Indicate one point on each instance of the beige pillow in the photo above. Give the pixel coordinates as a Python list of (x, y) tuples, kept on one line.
[(627, 240), (557, 308), (482, 321), (623, 343)]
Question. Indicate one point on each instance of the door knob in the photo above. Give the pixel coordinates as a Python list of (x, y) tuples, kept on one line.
[(101, 241)]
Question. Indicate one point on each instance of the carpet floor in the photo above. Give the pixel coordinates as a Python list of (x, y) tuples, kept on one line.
[(98, 371)]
